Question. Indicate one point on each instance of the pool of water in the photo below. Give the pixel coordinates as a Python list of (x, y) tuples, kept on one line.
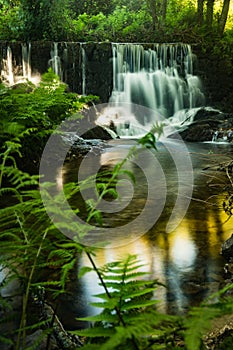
[(180, 247)]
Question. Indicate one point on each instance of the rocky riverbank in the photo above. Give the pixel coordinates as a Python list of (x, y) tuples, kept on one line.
[(206, 124)]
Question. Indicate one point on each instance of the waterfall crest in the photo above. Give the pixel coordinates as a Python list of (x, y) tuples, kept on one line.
[(160, 78)]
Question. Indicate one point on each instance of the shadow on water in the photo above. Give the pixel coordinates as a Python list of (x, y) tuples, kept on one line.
[(187, 259)]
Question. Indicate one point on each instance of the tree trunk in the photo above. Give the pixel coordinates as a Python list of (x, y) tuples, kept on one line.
[(209, 13), (164, 9), (223, 17), (200, 7), (158, 11), (153, 11)]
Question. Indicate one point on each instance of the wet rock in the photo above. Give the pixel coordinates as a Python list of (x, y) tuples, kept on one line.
[(197, 133), (97, 132), (220, 336), (208, 113), (207, 125), (227, 249)]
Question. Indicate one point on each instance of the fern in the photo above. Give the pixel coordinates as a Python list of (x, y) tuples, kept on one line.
[(126, 302), (197, 324), (31, 245)]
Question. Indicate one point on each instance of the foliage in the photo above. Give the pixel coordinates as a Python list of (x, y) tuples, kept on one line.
[(89, 27), (92, 7), (125, 24), (29, 242), (127, 320), (32, 246), (38, 109), (11, 24), (44, 19), (113, 21)]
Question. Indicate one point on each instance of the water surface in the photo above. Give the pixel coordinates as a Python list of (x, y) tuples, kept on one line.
[(187, 259)]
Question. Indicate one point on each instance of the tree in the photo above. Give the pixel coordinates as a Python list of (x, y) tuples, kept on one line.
[(44, 19), (209, 13), (158, 11), (223, 17), (91, 7), (200, 11)]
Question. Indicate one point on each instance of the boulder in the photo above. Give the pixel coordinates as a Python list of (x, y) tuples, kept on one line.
[(227, 249), (207, 125), (97, 132)]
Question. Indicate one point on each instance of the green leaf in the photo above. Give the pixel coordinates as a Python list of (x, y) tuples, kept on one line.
[(139, 304), (148, 141), (95, 332), (104, 317), (197, 323), (83, 270), (128, 173)]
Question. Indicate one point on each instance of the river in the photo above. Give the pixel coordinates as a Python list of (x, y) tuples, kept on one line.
[(181, 250)]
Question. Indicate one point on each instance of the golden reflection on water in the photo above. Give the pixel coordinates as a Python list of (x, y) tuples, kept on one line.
[(218, 225), (187, 260), (183, 250)]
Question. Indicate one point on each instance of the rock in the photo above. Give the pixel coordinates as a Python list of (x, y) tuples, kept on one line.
[(208, 113), (207, 125), (220, 335), (97, 132), (195, 133), (227, 249)]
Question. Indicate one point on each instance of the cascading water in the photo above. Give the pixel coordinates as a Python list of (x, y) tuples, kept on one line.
[(55, 61), (7, 72), (160, 78), (16, 66), (26, 61), (83, 64)]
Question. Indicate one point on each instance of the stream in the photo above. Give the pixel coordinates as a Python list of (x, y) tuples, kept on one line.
[(184, 256)]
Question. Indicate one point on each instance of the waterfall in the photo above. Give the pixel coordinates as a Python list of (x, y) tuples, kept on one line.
[(83, 65), (55, 61), (160, 78), (16, 65), (7, 72), (26, 61)]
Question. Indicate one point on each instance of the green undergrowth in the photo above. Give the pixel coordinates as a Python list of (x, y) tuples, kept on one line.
[(40, 261)]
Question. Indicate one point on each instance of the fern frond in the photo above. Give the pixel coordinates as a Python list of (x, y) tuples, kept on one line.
[(6, 340), (197, 323), (127, 297), (132, 305), (139, 293), (66, 270), (127, 276), (110, 304), (128, 173), (95, 332), (10, 190), (83, 270), (102, 317)]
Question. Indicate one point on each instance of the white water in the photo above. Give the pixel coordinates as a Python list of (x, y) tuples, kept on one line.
[(7, 67), (18, 69), (160, 78), (26, 61), (83, 64), (55, 61)]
